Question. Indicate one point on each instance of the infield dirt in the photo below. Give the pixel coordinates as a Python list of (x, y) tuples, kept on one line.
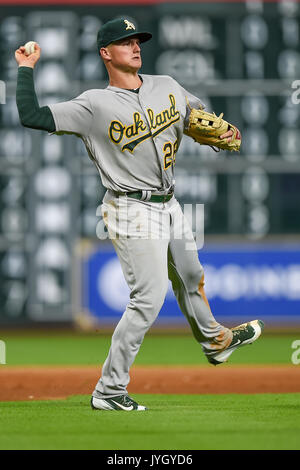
[(53, 382)]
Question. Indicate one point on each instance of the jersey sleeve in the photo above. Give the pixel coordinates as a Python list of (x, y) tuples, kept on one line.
[(74, 116), (191, 102)]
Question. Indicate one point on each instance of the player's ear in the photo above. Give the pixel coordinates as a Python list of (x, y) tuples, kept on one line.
[(104, 53)]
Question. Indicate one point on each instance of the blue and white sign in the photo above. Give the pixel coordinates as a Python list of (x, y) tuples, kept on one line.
[(241, 283)]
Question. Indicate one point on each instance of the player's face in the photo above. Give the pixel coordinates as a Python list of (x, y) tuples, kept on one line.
[(125, 54)]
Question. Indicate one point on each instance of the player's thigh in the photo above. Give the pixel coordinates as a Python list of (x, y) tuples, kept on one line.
[(144, 264), (183, 257)]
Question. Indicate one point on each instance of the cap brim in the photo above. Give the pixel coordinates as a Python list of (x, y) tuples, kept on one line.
[(143, 36)]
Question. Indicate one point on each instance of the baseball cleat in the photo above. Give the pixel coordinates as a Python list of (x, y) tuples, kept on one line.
[(119, 403), (243, 334)]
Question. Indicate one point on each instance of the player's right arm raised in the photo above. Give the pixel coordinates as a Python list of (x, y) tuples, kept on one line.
[(30, 113), (73, 116)]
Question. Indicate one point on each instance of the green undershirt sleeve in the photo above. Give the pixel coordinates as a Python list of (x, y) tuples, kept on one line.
[(30, 113)]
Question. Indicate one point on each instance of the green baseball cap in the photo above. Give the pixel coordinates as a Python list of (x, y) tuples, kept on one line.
[(119, 28)]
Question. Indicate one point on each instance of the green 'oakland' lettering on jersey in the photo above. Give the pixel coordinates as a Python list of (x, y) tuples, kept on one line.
[(164, 116), (117, 131)]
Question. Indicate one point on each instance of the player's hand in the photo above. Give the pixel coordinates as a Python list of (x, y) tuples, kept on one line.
[(228, 135), (27, 60)]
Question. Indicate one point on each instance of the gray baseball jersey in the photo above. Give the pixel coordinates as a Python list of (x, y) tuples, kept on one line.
[(132, 138)]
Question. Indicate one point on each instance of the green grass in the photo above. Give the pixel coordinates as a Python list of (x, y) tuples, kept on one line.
[(268, 421), (90, 349), (185, 422)]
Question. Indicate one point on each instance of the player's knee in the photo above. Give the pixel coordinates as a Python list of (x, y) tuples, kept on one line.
[(148, 309), (150, 298), (201, 283), (158, 295), (194, 278)]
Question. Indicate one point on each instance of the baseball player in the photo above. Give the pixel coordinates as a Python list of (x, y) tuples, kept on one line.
[(132, 130)]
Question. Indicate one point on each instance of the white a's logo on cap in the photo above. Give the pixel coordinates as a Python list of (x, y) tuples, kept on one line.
[(129, 25)]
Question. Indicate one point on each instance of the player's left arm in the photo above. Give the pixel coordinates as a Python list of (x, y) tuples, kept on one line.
[(209, 129), (193, 102)]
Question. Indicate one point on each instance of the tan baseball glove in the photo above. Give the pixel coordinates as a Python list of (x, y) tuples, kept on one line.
[(206, 129)]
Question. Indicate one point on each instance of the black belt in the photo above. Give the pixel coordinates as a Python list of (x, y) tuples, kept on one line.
[(153, 198)]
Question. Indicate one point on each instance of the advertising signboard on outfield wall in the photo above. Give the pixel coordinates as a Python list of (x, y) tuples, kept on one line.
[(241, 283)]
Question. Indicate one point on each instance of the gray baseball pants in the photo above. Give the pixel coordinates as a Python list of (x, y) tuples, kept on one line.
[(154, 243)]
